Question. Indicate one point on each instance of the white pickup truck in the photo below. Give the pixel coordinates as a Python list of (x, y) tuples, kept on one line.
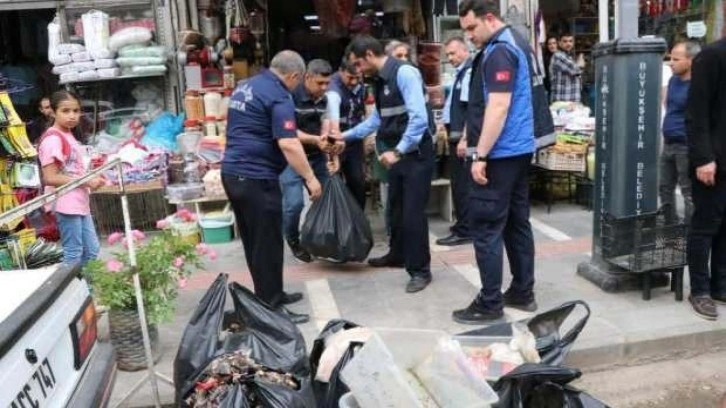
[(49, 353)]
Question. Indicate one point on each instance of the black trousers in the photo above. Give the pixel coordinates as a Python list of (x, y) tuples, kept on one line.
[(257, 206), (707, 239), (500, 217), (460, 186), (353, 168), (409, 186)]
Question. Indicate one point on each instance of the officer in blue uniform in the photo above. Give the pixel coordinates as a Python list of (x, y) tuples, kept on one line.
[(454, 119), (404, 141), (261, 141), (312, 129), (501, 94), (346, 108)]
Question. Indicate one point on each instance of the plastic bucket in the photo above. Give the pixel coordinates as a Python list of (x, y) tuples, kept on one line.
[(216, 232)]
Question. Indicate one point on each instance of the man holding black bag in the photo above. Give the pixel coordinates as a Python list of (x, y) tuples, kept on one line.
[(404, 126)]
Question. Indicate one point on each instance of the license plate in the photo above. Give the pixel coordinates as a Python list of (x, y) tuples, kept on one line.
[(38, 389)]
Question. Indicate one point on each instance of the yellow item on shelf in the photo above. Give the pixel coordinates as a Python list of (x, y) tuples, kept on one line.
[(8, 201), (13, 117), (19, 138), (26, 238)]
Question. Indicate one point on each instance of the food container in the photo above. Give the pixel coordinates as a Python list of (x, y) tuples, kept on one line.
[(184, 192), (193, 105), (210, 126)]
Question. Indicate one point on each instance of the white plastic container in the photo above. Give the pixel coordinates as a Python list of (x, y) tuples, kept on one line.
[(224, 104), (212, 102)]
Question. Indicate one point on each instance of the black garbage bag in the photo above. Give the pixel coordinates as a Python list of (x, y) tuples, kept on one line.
[(200, 340), (552, 346), (235, 398), (542, 386), (335, 227), (328, 394), (277, 396), (274, 340)]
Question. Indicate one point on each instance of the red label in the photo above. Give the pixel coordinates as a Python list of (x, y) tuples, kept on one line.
[(503, 76), (289, 125)]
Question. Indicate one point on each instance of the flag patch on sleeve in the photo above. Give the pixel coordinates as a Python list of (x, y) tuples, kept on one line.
[(289, 125), (502, 76)]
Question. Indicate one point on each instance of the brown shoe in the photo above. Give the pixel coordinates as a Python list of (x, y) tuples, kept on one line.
[(704, 307)]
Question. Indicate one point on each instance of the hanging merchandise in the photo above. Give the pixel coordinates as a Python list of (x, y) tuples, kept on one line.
[(25, 175), (129, 36), (95, 31), (8, 201)]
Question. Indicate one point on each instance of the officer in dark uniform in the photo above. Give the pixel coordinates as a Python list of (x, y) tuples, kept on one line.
[(404, 142), (312, 130), (454, 119), (500, 93), (261, 140), (346, 108)]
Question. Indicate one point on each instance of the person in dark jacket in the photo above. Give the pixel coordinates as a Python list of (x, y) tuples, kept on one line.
[(706, 134)]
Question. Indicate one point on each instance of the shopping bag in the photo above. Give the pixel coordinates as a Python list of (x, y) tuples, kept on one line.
[(551, 345), (542, 386), (335, 227), (200, 341)]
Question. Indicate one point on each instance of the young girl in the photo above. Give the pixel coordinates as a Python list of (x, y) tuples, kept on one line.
[(64, 159)]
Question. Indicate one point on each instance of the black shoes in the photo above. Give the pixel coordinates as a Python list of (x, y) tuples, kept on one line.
[(453, 240), (514, 303), (418, 283), (721, 300), (475, 314), (290, 298), (385, 262), (704, 307), (297, 318), (298, 251)]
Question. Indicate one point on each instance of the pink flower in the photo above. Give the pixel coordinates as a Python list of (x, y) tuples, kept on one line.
[(114, 265), (179, 262), (138, 235), (182, 282), (183, 213), (162, 224), (202, 249), (212, 254), (115, 238)]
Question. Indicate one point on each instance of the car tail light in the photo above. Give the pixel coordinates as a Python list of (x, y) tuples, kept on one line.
[(83, 332)]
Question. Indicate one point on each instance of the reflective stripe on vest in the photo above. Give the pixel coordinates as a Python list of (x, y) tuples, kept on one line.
[(394, 111)]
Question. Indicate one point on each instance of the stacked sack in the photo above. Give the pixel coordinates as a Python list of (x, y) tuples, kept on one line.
[(136, 54), (75, 62)]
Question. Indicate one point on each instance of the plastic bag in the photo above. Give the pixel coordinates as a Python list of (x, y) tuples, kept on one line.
[(126, 62), (60, 59), (200, 340), (336, 227), (63, 69), (102, 53), (95, 30), (235, 398), (68, 77), (542, 386), (69, 48), (128, 36), (163, 130), (104, 63), (277, 396), (89, 75), (135, 51), (328, 394), (83, 66), (148, 70), (108, 72), (552, 347), (82, 56)]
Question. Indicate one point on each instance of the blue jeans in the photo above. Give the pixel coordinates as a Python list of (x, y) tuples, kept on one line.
[(78, 238), (293, 200)]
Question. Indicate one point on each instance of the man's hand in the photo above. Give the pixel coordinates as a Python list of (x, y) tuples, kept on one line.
[(706, 174), (323, 144), (95, 183), (461, 148), (333, 165), (479, 172), (337, 147), (314, 188), (388, 159)]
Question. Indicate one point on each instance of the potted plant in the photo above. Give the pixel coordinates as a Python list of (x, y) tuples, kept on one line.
[(164, 261)]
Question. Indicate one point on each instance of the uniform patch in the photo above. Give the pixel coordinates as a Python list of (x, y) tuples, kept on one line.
[(289, 125), (502, 76)]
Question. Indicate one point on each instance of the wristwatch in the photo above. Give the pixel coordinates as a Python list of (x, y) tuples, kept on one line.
[(475, 157)]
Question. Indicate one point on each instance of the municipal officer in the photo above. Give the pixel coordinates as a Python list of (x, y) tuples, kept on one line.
[(404, 141), (312, 130), (454, 119), (346, 109), (261, 138), (501, 93)]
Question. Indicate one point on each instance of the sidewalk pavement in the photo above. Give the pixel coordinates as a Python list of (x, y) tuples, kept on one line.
[(622, 330)]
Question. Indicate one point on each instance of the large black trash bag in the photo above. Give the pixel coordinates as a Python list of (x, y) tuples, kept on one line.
[(335, 227), (200, 340), (542, 386), (274, 340), (552, 347), (328, 394), (278, 396), (235, 398)]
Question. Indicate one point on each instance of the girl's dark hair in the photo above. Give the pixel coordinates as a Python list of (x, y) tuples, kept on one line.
[(60, 96)]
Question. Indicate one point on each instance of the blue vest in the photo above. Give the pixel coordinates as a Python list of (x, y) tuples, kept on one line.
[(517, 137), (457, 112), (352, 107)]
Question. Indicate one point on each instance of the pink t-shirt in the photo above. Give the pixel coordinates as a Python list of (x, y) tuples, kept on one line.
[(77, 201)]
